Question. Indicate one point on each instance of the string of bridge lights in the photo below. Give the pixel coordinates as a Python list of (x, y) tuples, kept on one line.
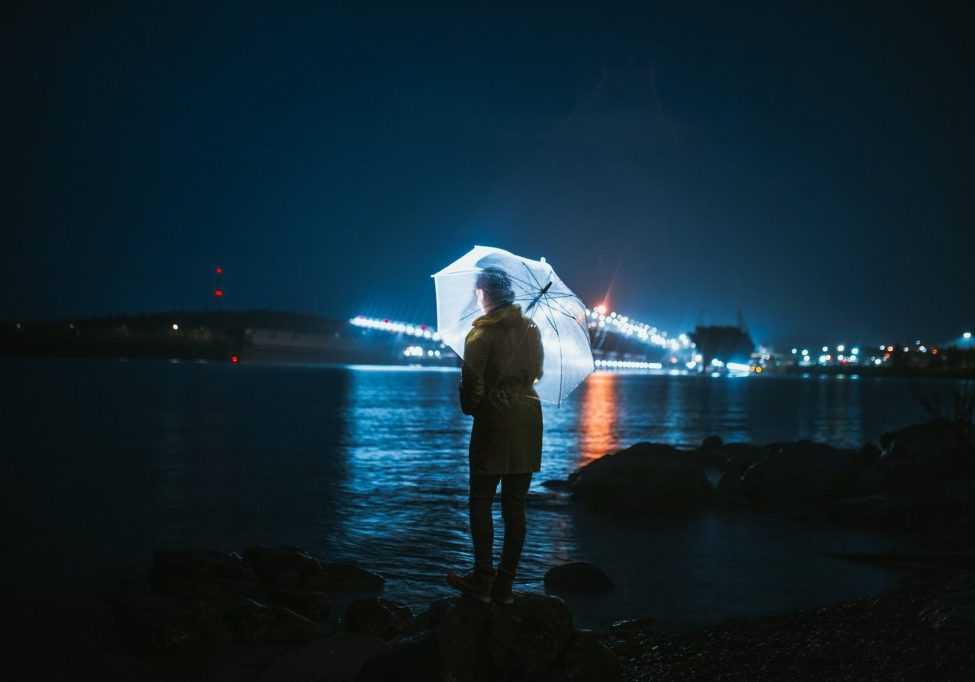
[(598, 317)]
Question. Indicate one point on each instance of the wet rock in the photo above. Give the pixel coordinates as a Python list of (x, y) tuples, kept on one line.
[(343, 577), (335, 658), (646, 476), (377, 616), (556, 484), (799, 474), (729, 490), (529, 636), (920, 459), (712, 443), (710, 454), (253, 621), (281, 566), (308, 603), (203, 575), (577, 576), (866, 456), (469, 642), (740, 456), (586, 659), (165, 624)]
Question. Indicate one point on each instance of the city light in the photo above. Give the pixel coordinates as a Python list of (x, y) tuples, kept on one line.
[(966, 336), (175, 327), (385, 324), (627, 364)]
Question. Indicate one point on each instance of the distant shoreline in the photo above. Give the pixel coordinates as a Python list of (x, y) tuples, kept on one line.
[(291, 337)]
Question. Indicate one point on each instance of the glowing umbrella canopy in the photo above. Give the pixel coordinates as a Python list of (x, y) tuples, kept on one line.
[(557, 312)]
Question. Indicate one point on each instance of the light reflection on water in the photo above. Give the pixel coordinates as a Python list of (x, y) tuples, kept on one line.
[(108, 461)]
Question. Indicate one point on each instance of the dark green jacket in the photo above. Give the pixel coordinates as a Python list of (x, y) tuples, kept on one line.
[(502, 359)]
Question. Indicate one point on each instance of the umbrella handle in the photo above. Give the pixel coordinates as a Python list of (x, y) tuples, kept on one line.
[(540, 294)]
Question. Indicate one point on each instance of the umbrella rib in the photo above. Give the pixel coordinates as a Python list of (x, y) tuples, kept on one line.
[(551, 321), (565, 311)]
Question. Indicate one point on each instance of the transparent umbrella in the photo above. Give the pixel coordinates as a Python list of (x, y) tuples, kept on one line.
[(557, 312)]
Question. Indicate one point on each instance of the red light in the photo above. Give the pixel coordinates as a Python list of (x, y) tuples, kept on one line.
[(233, 359), (386, 321), (218, 292), (423, 327), (219, 271)]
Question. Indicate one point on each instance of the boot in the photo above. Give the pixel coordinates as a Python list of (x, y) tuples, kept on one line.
[(474, 584), (501, 592)]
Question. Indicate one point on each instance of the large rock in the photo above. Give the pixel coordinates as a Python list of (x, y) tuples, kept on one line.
[(283, 567), (203, 575), (308, 603), (922, 459), (465, 641), (646, 476), (800, 474), (293, 568), (577, 576), (377, 616), (256, 622), (344, 577), (729, 490)]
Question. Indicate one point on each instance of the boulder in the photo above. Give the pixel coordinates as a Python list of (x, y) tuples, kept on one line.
[(712, 443), (710, 454), (866, 456), (293, 568), (343, 577), (729, 490), (253, 622), (281, 566), (377, 616), (586, 659), (919, 460), (577, 576), (645, 476), (799, 474), (740, 456), (203, 575), (466, 641), (308, 603)]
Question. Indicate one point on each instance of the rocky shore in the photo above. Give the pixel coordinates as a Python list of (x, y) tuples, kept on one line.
[(281, 614), (923, 631), (919, 482)]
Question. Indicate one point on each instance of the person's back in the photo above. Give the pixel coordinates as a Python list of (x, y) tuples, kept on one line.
[(503, 358)]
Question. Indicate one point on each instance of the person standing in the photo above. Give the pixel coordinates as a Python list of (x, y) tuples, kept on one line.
[(503, 359)]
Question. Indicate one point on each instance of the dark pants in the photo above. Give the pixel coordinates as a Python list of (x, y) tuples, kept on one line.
[(514, 491)]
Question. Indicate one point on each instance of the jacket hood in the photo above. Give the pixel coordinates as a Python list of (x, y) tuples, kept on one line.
[(503, 316)]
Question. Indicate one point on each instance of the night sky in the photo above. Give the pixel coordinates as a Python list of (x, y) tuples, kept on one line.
[(811, 166)]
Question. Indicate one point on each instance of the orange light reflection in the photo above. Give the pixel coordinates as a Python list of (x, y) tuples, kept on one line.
[(599, 414)]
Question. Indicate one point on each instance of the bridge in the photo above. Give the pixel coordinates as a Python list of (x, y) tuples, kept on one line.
[(619, 342)]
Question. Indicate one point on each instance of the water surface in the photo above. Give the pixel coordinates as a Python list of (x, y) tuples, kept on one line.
[(104, 461)]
